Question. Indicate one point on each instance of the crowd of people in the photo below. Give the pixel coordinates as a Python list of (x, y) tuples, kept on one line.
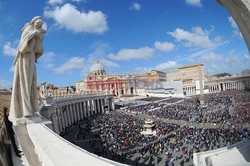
[(220, 108), (118, 135)]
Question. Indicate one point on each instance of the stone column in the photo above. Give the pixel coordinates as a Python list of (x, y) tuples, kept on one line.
[(71, 113), (91, 107), (55, 124), (98, 106), (135, 89), (120, 90), (124, 88), (78, 116), (240, 11), (115, 89), (74, 112), (81, 110), (112, 104), (85, 109), (66, 115), (62, 118), (94, 107), (242, 85), (59, 120), (102, 104)]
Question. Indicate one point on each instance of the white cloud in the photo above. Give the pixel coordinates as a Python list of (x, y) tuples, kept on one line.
[(142, 70), (70, 18), (8, 49), (70, 65), (169, 65), (108, 63), (127, 54), (48, 59), (210, 57), (135, 6), (53, 2), (247, 57), (232, 59), (197, 37), (12, 68), (164, 46), (196, 3), (4, 84), (236, 30), (79, 1)]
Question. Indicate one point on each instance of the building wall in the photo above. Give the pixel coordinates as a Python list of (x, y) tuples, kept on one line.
[(173, 76), (190, 73)]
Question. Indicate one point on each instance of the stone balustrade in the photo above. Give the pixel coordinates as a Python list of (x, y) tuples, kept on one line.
[(40, 140)]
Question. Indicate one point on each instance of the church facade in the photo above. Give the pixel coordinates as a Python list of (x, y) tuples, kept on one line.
[(98, 81)]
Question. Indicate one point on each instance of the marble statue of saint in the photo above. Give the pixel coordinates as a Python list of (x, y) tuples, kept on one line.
[(24, 89)]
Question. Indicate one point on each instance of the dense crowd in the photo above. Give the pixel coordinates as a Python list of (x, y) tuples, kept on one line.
[(151, 99), (117, 135), (220, 108), (121, 132)]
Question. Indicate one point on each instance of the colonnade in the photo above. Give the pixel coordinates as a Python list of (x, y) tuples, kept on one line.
[(231, 85), (69, 112), (118, 88), (190, 90)]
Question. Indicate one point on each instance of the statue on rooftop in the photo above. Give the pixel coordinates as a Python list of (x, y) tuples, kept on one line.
[(24, 92)]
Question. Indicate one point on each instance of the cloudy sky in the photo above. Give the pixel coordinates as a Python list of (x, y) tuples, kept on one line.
[(126, 36)]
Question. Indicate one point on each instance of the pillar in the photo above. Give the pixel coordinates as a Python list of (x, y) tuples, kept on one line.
[(81, 110), (91, 107), (68, 114), (119, 89), (55, 124), (124, 88), (59, 120), (71, 114), (98, 106), (85, 109), (115, 89), (62, 118), (94, 106), (78, 116)]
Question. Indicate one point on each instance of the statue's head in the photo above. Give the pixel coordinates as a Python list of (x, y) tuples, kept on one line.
[(37, 22)]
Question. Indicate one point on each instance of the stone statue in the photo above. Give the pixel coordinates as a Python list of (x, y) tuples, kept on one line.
[(24, 92)]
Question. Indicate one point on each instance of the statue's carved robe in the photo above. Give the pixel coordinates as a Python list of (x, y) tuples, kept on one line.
[(24, 88)]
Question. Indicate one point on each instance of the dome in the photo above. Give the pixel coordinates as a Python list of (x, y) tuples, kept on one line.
[(97, 69)]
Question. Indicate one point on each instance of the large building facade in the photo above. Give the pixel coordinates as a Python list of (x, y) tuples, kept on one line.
[(98, 81), (189, 76)]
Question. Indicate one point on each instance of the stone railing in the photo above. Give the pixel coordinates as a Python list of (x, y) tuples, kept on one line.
[(39, 136), (78, 95)]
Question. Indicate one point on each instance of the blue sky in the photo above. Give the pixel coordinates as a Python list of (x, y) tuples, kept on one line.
[(127, 36)]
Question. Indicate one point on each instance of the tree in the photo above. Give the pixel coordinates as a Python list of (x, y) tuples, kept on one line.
[(73, 88), (222, 74)]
